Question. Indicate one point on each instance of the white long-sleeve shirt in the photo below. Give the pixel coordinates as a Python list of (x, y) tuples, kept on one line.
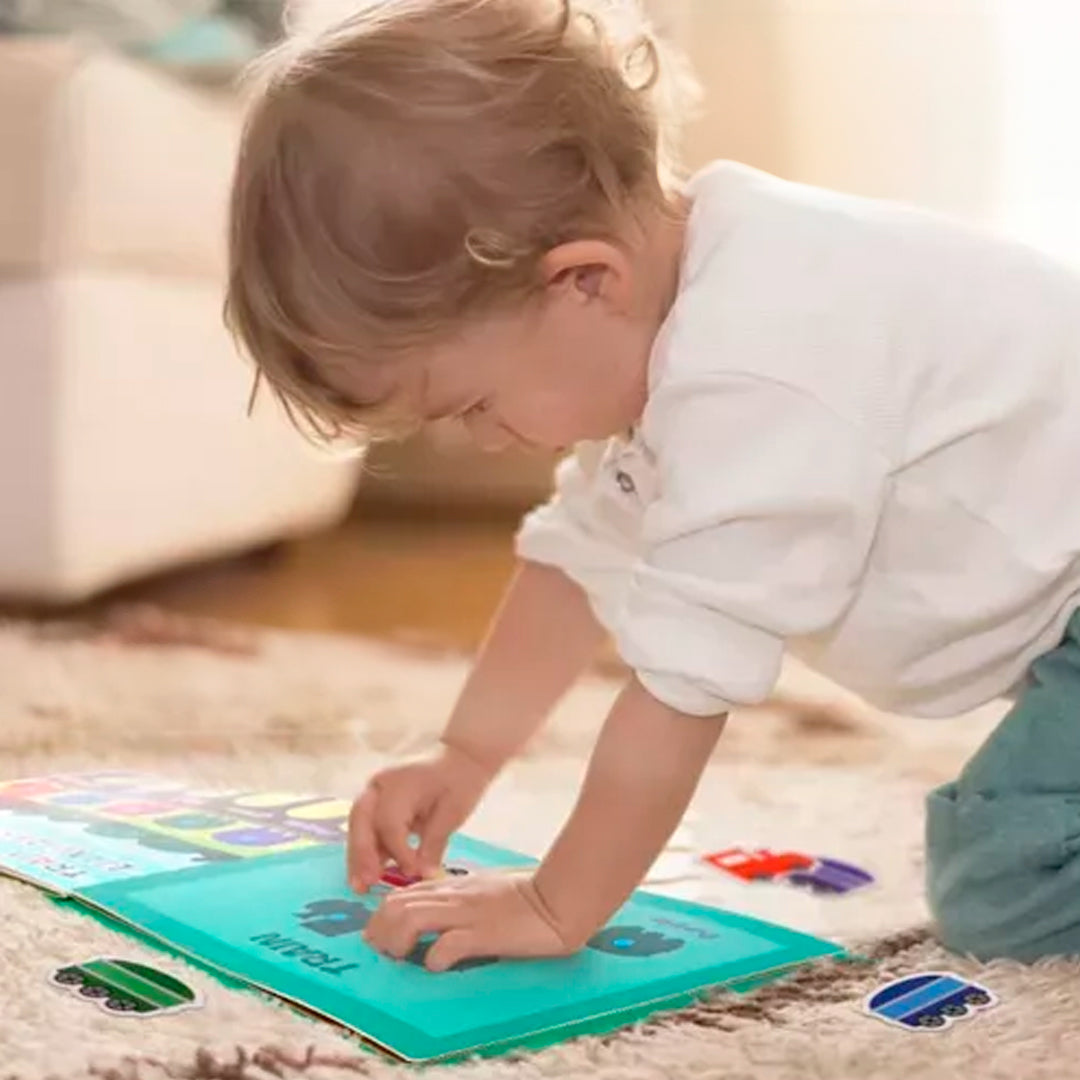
[(861, 444)]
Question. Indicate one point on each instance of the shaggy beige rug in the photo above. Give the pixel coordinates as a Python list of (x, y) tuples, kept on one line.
[(819, 773)]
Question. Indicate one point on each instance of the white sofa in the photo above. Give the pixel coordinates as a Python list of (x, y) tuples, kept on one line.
[(124, 444)]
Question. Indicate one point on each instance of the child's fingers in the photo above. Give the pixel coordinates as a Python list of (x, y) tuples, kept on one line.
[(436, 835), (401, 929), (392, 821), (363, 861), (444, 886), (385, 921), (453, 947)]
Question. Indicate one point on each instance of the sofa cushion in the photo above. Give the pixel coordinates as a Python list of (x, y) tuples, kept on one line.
[(125, 446), (107, 163)]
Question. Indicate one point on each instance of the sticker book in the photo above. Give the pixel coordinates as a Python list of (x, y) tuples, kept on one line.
[(181, 867)]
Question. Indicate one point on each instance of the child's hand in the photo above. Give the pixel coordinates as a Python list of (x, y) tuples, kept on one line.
[(477, 916), (429, 798)]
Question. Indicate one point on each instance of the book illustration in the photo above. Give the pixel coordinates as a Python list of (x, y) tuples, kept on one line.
[(126, 988), (71, 830), (633, 941)]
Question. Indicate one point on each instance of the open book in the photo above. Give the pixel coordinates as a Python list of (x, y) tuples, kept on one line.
[(252, 885)]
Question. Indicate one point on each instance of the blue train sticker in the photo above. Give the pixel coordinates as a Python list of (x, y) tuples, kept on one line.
[(929, 1001)]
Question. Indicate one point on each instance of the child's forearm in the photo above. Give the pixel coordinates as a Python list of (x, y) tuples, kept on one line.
[(542, 638), (641, 778)]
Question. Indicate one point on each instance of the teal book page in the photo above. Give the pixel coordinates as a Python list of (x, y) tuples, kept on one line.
[(290, 924)]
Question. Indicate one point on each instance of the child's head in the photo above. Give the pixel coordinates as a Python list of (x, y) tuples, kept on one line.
[(448, 207)]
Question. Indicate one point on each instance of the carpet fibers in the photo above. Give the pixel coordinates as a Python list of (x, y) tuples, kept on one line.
[(816, 771)]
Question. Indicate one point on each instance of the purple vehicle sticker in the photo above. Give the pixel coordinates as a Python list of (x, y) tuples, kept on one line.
[(830, 877)]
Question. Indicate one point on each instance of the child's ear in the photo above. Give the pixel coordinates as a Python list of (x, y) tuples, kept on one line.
[(593, 269)]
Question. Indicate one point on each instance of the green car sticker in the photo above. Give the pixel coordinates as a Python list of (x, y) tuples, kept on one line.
[(125, 988)]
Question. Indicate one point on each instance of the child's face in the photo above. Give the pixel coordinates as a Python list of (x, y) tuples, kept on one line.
[(569, 368), (545, 379)]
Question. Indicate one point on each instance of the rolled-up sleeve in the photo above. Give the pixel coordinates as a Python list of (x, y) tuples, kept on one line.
[(584, 534), (767, 506)]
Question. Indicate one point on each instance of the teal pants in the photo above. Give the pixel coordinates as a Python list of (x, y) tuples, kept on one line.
[(1003, 840)]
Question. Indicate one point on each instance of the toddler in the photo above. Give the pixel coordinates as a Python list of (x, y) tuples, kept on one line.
[(795, 420)]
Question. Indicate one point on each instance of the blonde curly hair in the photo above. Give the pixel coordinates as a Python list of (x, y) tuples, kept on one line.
[(406, 169)]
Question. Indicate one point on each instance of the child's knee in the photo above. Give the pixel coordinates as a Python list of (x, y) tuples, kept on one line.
[(1003, 875), (954, 889)]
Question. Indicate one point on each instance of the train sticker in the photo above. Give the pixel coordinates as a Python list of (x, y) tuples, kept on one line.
[(824, 877), (125, 988), (930, 1001)]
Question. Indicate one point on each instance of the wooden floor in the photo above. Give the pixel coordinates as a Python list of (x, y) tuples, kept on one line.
[(424, 579)]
